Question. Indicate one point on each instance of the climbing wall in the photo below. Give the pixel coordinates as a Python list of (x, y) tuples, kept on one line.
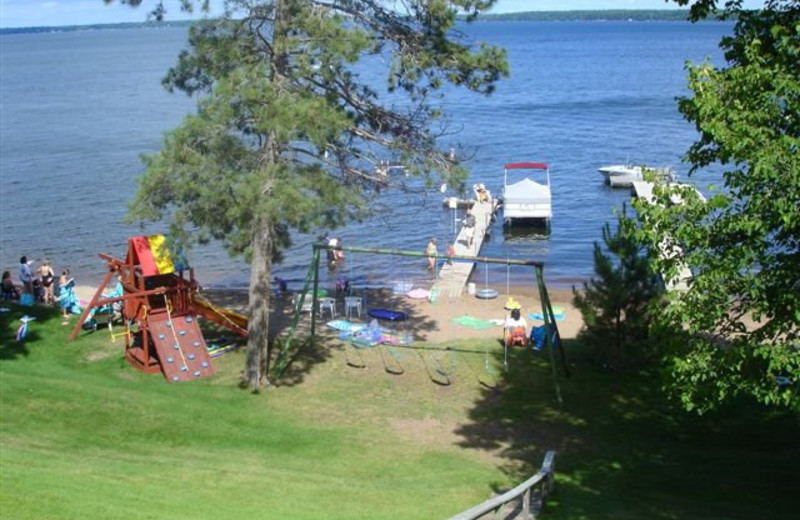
[(181, 348)]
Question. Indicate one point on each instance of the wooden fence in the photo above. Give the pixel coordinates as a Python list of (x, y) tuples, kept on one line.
[(542, 483)]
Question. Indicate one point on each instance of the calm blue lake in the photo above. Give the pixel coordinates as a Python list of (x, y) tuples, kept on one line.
[(77, 109)]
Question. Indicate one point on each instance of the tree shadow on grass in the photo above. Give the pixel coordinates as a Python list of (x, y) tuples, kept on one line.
[(10, 322), (626, 451)]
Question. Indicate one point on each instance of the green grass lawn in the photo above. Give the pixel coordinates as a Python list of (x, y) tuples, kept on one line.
[(84, 436)]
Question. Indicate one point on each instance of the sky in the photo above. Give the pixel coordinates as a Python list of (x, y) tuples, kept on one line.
[(30, 13)]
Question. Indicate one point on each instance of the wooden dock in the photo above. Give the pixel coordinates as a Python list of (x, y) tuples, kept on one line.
[(644, 190), (453, 276)]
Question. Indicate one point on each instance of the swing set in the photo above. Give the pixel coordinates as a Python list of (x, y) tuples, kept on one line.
[(311, 289)]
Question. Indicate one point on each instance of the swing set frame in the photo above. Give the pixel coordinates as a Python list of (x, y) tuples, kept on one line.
[(311, 288)]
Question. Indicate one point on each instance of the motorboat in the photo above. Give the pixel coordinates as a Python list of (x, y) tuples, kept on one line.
[(624, 175), (527, 199)]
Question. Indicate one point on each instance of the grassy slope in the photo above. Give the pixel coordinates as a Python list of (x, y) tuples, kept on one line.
[(84, 436)]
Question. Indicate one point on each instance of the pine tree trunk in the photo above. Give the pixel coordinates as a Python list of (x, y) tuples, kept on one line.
[(255, 374)]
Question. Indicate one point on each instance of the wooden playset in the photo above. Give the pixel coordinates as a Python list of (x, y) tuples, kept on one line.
[(159, 308)]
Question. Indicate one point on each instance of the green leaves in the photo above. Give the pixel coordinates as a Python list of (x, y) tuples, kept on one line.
[(743, 246)]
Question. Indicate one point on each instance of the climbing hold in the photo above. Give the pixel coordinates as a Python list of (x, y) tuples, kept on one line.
[(196, 373), (196, 343), (170, 359), (182, 333), (191, 356), (160, 336), (205, 364), (177, 346), (184, 368), (176, 378), (188, 319)]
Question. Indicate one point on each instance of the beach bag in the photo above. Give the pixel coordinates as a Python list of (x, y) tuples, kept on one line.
[(538, 337), (26, 299)]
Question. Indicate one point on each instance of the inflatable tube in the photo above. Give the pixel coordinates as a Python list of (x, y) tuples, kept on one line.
[(402, 287), (419, 294), (386, 314), (486, 294)]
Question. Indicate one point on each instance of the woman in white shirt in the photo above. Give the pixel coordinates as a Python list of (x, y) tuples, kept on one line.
[(26, 275)]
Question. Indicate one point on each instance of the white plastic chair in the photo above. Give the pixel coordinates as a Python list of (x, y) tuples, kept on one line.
[(350, 303), (327, 303), (307, 303)]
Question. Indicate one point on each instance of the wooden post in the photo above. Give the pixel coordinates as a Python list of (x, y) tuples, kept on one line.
[(526, 504), (314, 299), (547, 338), (88, 309)]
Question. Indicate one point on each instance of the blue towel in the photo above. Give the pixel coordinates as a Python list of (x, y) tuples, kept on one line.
[(540, 316)]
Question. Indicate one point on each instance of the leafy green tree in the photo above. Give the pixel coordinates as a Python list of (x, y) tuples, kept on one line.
[(741, 315), (615, 303), (288, 135)]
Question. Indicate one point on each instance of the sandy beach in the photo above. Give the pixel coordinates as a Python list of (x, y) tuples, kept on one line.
[(428, 322)]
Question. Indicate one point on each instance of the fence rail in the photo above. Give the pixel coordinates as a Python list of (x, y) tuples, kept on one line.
[(543, 480)]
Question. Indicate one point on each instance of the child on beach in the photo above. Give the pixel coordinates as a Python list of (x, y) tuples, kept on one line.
[(66, 296)]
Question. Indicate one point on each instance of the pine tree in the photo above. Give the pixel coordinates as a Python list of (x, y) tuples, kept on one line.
[(288, 136), (615, 303)]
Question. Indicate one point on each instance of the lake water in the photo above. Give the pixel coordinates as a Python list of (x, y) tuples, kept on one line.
[(78, 108)]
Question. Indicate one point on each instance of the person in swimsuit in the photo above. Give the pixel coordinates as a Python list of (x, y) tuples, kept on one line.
[(48, 277), (432, 251)]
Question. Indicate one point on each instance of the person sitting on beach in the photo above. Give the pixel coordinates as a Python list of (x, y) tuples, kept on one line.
[(432, 251), (516, 329), (10, 291)]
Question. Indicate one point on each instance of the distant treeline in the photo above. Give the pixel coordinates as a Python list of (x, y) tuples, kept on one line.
[(95, 27), (594, 16), (538, 16)]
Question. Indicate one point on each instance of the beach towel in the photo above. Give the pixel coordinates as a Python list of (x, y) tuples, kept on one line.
[(345, 326), (472, 322), (558, 313), (22, 331)]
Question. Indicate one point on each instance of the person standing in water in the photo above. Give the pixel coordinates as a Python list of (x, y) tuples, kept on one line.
[(432, 251)]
